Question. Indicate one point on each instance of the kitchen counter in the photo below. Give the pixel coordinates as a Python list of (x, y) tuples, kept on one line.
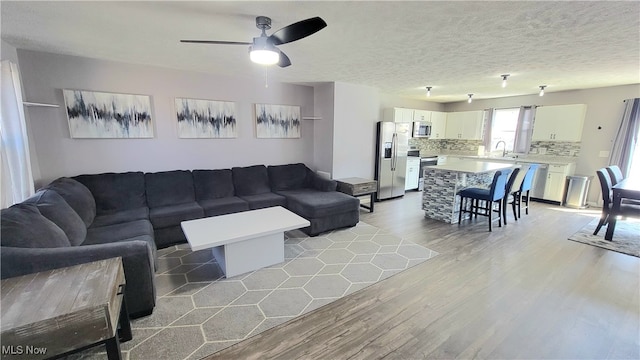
[(443, 182), (471, 167)]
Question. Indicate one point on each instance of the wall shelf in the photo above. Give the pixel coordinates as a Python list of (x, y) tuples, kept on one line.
[(29, 103)]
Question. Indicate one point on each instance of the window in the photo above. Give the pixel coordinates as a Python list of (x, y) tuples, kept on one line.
[(514, 126)]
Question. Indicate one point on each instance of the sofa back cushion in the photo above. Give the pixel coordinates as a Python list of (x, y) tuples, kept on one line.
[(287, 177), (52, 206), (251, 180), (169, 188), (77, 196), (22, 225), (115, 192), (213, 184)]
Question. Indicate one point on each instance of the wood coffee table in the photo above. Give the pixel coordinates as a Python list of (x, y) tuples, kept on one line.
[(61, 311), (244, 241)]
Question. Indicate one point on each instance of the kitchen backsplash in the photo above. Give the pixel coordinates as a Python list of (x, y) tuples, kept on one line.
[(445, 145), (555, 148), (550, 148)]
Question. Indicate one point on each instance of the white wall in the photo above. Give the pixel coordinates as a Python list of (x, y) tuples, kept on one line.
[(323, 128), (45, 75), (604, 109), (356, 111), (8, 52)]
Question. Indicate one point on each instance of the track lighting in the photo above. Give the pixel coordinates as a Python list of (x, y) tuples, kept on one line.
[(429, 90), (470, 100), (504, 80), (542, 89)]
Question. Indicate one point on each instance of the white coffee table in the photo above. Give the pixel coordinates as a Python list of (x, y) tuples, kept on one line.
[(244, 241)]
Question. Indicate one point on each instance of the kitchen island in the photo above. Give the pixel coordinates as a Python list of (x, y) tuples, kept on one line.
[(442, 183)]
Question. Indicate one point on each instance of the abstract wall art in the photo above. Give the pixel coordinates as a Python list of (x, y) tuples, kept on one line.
[(277, 121), (93, 114), (206, 119)]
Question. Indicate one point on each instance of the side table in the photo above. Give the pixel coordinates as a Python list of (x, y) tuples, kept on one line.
[(58, 312), (359, 187)]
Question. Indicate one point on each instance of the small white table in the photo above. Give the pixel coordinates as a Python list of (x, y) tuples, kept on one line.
[(244, 241)]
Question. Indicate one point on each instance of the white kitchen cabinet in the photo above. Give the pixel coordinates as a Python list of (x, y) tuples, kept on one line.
[(559, 123), (422, 115), (464, 125), (438, 124), (556, 178), (412, 175), (398, 115)]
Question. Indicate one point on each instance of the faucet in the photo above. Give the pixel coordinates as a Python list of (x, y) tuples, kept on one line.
[(504, 148)]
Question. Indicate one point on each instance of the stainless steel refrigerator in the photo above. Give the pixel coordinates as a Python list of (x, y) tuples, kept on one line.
[(392, 143)]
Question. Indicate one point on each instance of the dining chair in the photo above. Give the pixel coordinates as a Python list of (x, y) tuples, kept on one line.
[(605, 187), (523, 193), (615, 174), (509, 198), (494, 194)]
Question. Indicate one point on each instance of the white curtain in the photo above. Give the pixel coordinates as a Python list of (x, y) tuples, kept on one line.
[(624, 145), (15, 170), (524, 131)]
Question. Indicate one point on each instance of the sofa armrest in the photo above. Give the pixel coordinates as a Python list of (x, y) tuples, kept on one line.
[(136, 256), (319, 183)]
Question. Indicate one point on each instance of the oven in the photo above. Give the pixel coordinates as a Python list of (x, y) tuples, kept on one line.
[(425, 161)]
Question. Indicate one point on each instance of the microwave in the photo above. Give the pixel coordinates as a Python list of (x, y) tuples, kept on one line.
[(422, 129)]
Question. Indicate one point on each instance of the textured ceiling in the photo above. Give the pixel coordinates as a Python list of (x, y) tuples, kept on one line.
[(399, 47)]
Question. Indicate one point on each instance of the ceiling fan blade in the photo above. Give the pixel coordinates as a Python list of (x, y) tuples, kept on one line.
[(215, 42), (297, 31), (284, 60)]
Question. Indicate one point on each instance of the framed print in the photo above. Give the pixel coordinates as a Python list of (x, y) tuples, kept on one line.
[(206, 119), (93, 114), (277, 121)]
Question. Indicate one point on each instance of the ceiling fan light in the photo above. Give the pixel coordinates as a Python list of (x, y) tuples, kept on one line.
[(264, 57)]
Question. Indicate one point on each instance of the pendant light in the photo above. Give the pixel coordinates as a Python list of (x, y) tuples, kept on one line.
[(429, 91), (542, 89), (504, 80), (470, 100)]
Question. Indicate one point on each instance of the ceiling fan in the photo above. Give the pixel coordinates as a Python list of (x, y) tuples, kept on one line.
[(263, 49)]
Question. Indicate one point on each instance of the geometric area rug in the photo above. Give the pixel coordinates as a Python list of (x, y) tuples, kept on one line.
[(626, 238), (199, 311)]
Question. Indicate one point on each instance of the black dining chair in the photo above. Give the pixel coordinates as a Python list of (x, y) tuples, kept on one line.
[(513, 187), (607, 196), (615, 174), (490, 196), (523, 193)]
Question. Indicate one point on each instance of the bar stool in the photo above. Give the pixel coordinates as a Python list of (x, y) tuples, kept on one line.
[(514, 180), (494, 194), (525, 188)]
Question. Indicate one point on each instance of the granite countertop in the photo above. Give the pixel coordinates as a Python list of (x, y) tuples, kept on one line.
[(544, 159), (471, 167)]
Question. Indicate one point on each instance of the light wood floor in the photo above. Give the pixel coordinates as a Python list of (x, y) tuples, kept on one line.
[(522, 291)]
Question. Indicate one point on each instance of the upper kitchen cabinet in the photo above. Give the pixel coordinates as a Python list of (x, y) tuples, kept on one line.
[(438, 125), (464, 125), (559, 123), (398, 115), (422, 115)]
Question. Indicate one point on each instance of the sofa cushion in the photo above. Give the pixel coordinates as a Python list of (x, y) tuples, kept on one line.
[(77, 196), (264, 200), (226, 205), (118, 232), (167, 216), (251, 180), (121, 216), (169, 188), (115, 192), (287, 177), (52, 206), (22, 225), (315, 204), (213, 184)]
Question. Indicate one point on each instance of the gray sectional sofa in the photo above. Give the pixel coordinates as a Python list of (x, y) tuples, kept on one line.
[(91, 217)]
